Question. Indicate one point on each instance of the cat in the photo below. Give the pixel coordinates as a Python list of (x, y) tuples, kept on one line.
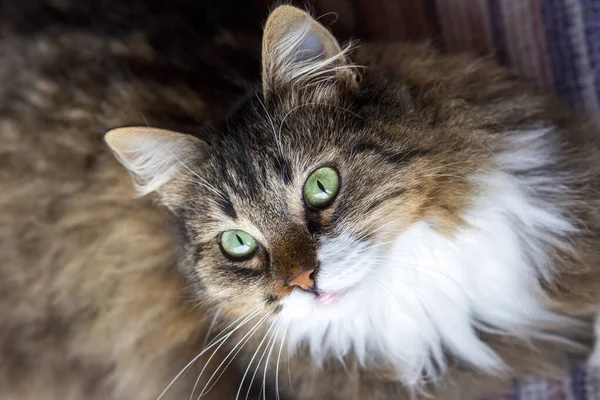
[(387, 207), (377, 222)]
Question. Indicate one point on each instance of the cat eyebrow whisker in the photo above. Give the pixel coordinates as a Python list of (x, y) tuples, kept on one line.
[(203, 182), (277, 137), (314, 104), (453, 176)]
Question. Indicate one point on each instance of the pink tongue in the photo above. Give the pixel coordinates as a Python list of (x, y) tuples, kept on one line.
[(327, 298)]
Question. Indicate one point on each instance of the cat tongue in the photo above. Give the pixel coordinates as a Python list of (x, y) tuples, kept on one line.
[(327, 297)]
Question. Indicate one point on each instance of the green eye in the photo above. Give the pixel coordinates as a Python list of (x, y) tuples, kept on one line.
[(321, 187), (237, 244)]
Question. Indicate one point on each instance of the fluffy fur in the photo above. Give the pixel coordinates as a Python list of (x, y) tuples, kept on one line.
[(461, 250), (428, 293), (467, 212)]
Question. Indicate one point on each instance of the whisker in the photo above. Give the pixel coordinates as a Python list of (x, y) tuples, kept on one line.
[(206, 184), (238, 319), (211, 345), (252, 359), (278, 359), (288, 368), (267, 362), (314, 104), (213, 322), (245, 339), (258, 365), (188, 365), (277, 137), (251, 316), (453, 176)]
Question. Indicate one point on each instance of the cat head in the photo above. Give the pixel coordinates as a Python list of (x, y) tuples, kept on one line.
[(295, 210)]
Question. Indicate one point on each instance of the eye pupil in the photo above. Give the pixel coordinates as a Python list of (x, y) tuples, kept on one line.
[(321, 186), (239, 239)]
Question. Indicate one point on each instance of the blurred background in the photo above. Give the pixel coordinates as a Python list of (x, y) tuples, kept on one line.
[(555, 43)]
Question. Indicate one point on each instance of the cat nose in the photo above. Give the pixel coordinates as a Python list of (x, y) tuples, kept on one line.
[(304, 280)]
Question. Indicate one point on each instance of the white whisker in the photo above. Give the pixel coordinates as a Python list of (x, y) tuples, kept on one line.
[(267, 362), (241, 343), (251, 316), (212, 344), (252, 359), (258, 364), (277, 137), (453, 176), (213, 322), (278, 359), (202, 180)]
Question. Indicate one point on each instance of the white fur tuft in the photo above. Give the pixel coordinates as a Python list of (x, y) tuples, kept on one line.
[(426, 294)]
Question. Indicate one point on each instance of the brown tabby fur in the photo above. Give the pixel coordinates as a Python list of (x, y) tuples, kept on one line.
[(94, 304), (91, 305)]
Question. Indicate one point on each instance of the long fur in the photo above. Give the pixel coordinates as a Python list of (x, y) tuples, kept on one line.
[(460, 251), (429, 294)]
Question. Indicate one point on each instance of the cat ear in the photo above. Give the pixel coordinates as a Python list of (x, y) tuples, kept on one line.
[(153, 156), (298, 50)]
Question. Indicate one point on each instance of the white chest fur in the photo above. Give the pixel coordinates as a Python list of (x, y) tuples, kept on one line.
[(427, 293)]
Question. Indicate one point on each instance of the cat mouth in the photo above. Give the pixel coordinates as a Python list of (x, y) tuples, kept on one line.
[(327, 298)]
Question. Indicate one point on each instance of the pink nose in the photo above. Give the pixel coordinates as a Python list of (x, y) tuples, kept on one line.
[(303, 280)]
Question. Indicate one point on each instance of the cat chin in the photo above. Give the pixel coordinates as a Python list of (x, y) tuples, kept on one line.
[(434, 294)]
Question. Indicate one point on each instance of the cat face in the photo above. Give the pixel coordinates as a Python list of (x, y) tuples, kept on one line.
[(330, 203), (293, 206)]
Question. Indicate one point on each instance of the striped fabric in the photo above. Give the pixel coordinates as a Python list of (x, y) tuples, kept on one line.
[(579, 386), (555, 43)]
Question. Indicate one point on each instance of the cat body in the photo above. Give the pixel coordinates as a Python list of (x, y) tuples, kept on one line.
[(377, 222)]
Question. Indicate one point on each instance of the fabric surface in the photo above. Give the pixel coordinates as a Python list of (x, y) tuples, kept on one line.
[(555, 43), (580, 385)]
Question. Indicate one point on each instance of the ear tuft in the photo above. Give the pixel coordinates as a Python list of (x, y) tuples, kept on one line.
[(299, 50), (153, 156)]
